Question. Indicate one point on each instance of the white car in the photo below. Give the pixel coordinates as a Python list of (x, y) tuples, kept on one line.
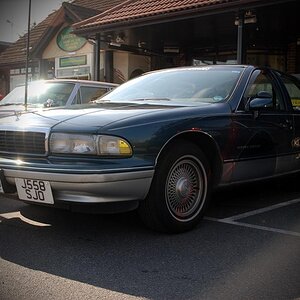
[(53, 93)]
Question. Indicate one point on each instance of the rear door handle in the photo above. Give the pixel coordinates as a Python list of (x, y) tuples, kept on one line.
[(286, 124)]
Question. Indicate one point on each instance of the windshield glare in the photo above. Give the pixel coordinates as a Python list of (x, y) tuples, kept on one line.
[(181, 85), (43, 94)]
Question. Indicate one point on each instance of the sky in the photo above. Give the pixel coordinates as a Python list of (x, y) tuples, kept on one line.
[(14, 16)]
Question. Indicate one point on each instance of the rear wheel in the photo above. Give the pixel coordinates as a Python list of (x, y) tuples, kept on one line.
[(180, 189)]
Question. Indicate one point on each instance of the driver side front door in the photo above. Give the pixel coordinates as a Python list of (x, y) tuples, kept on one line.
[(263, 147)]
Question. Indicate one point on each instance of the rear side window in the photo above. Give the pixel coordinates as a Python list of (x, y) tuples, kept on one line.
[(92, 93), (293, 89)]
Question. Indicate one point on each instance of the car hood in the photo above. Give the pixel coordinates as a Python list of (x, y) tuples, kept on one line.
[(9, 110), (95, 117), (14, 109)]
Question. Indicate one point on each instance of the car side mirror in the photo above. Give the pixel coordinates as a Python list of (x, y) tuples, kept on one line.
[(262, 101)]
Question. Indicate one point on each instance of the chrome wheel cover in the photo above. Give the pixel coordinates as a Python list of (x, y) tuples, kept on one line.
[(186, 188)]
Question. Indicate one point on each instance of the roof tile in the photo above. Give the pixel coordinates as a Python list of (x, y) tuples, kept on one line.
[(136, 9)]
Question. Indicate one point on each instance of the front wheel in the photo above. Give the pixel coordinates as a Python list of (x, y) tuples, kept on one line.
[(180, 189)]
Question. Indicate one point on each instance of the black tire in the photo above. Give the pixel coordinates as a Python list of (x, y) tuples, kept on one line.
[(180, 189)]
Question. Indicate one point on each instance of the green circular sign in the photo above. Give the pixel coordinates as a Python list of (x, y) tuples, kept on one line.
[(68, 41)]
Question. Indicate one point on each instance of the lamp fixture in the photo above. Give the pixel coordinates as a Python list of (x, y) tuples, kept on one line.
[(249, 18)]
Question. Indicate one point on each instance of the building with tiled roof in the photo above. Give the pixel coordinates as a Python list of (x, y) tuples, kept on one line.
[(16, 53), (175, 32), (3, 47), (124, 38), (132, 12), (13, 59)]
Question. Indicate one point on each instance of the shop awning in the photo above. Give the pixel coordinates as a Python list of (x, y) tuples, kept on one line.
[(133, 13)]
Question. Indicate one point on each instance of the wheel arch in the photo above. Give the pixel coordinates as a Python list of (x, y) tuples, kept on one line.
[(207, 145)]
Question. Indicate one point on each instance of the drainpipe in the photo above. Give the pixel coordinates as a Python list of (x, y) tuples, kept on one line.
[(240, 38)]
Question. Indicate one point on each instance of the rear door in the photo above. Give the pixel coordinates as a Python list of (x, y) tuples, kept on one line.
[(292, 90)]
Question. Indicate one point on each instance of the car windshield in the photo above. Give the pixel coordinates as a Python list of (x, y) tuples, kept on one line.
[(186, 85), (43, 94)]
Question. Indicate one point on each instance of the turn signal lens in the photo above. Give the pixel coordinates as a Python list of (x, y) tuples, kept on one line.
[(111, 145)]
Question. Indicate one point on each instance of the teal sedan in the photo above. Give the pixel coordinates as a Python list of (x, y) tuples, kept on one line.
[(159, 143)]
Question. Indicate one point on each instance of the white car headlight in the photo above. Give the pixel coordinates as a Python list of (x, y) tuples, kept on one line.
[(73, 143), (89, 144)]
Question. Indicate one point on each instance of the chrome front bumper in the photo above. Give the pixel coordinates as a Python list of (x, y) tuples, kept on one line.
[(91, 187)]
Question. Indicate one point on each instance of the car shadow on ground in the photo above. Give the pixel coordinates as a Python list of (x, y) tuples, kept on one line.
[(116, 252)]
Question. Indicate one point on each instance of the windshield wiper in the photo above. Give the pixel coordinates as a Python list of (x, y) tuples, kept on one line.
[(11, 104), (100, 101), (150, 99), (130, 100)]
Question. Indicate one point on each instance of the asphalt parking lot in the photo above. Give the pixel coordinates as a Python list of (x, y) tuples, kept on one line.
[(247, 247)]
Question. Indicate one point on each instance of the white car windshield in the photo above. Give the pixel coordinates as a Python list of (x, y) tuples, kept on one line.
[(43, 94), (187, 85)]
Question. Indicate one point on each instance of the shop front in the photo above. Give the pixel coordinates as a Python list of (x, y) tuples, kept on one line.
[(54, 50), (68, 56), (263, 33)]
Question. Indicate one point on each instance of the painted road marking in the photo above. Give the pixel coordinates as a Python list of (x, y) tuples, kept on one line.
[(262, 210), (233, 220), (18, 215), (276, 230)]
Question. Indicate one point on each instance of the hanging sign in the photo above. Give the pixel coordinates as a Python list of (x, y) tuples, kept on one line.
[(68, 41)]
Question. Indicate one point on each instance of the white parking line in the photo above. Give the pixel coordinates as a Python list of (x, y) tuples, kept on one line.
[(232, 220), (276, 230), (18, 215), (261, 210)]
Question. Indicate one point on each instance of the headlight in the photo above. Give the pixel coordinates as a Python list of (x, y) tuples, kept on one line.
[(113, 146), (89, 144)]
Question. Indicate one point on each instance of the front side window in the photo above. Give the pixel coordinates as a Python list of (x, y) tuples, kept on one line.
[(89, 93), (261, 83)]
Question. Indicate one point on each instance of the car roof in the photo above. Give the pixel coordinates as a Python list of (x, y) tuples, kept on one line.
[(186, 68), (83, 81), (86, 82)]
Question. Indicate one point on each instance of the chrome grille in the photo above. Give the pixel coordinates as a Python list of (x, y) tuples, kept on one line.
[(22, 142)]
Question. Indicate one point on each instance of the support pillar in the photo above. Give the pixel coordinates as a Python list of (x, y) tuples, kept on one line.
[(109, 66), (240, 38), (97, 57)]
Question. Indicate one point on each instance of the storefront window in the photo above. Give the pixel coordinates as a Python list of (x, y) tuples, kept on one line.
[(275, 61), (293, 88)]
